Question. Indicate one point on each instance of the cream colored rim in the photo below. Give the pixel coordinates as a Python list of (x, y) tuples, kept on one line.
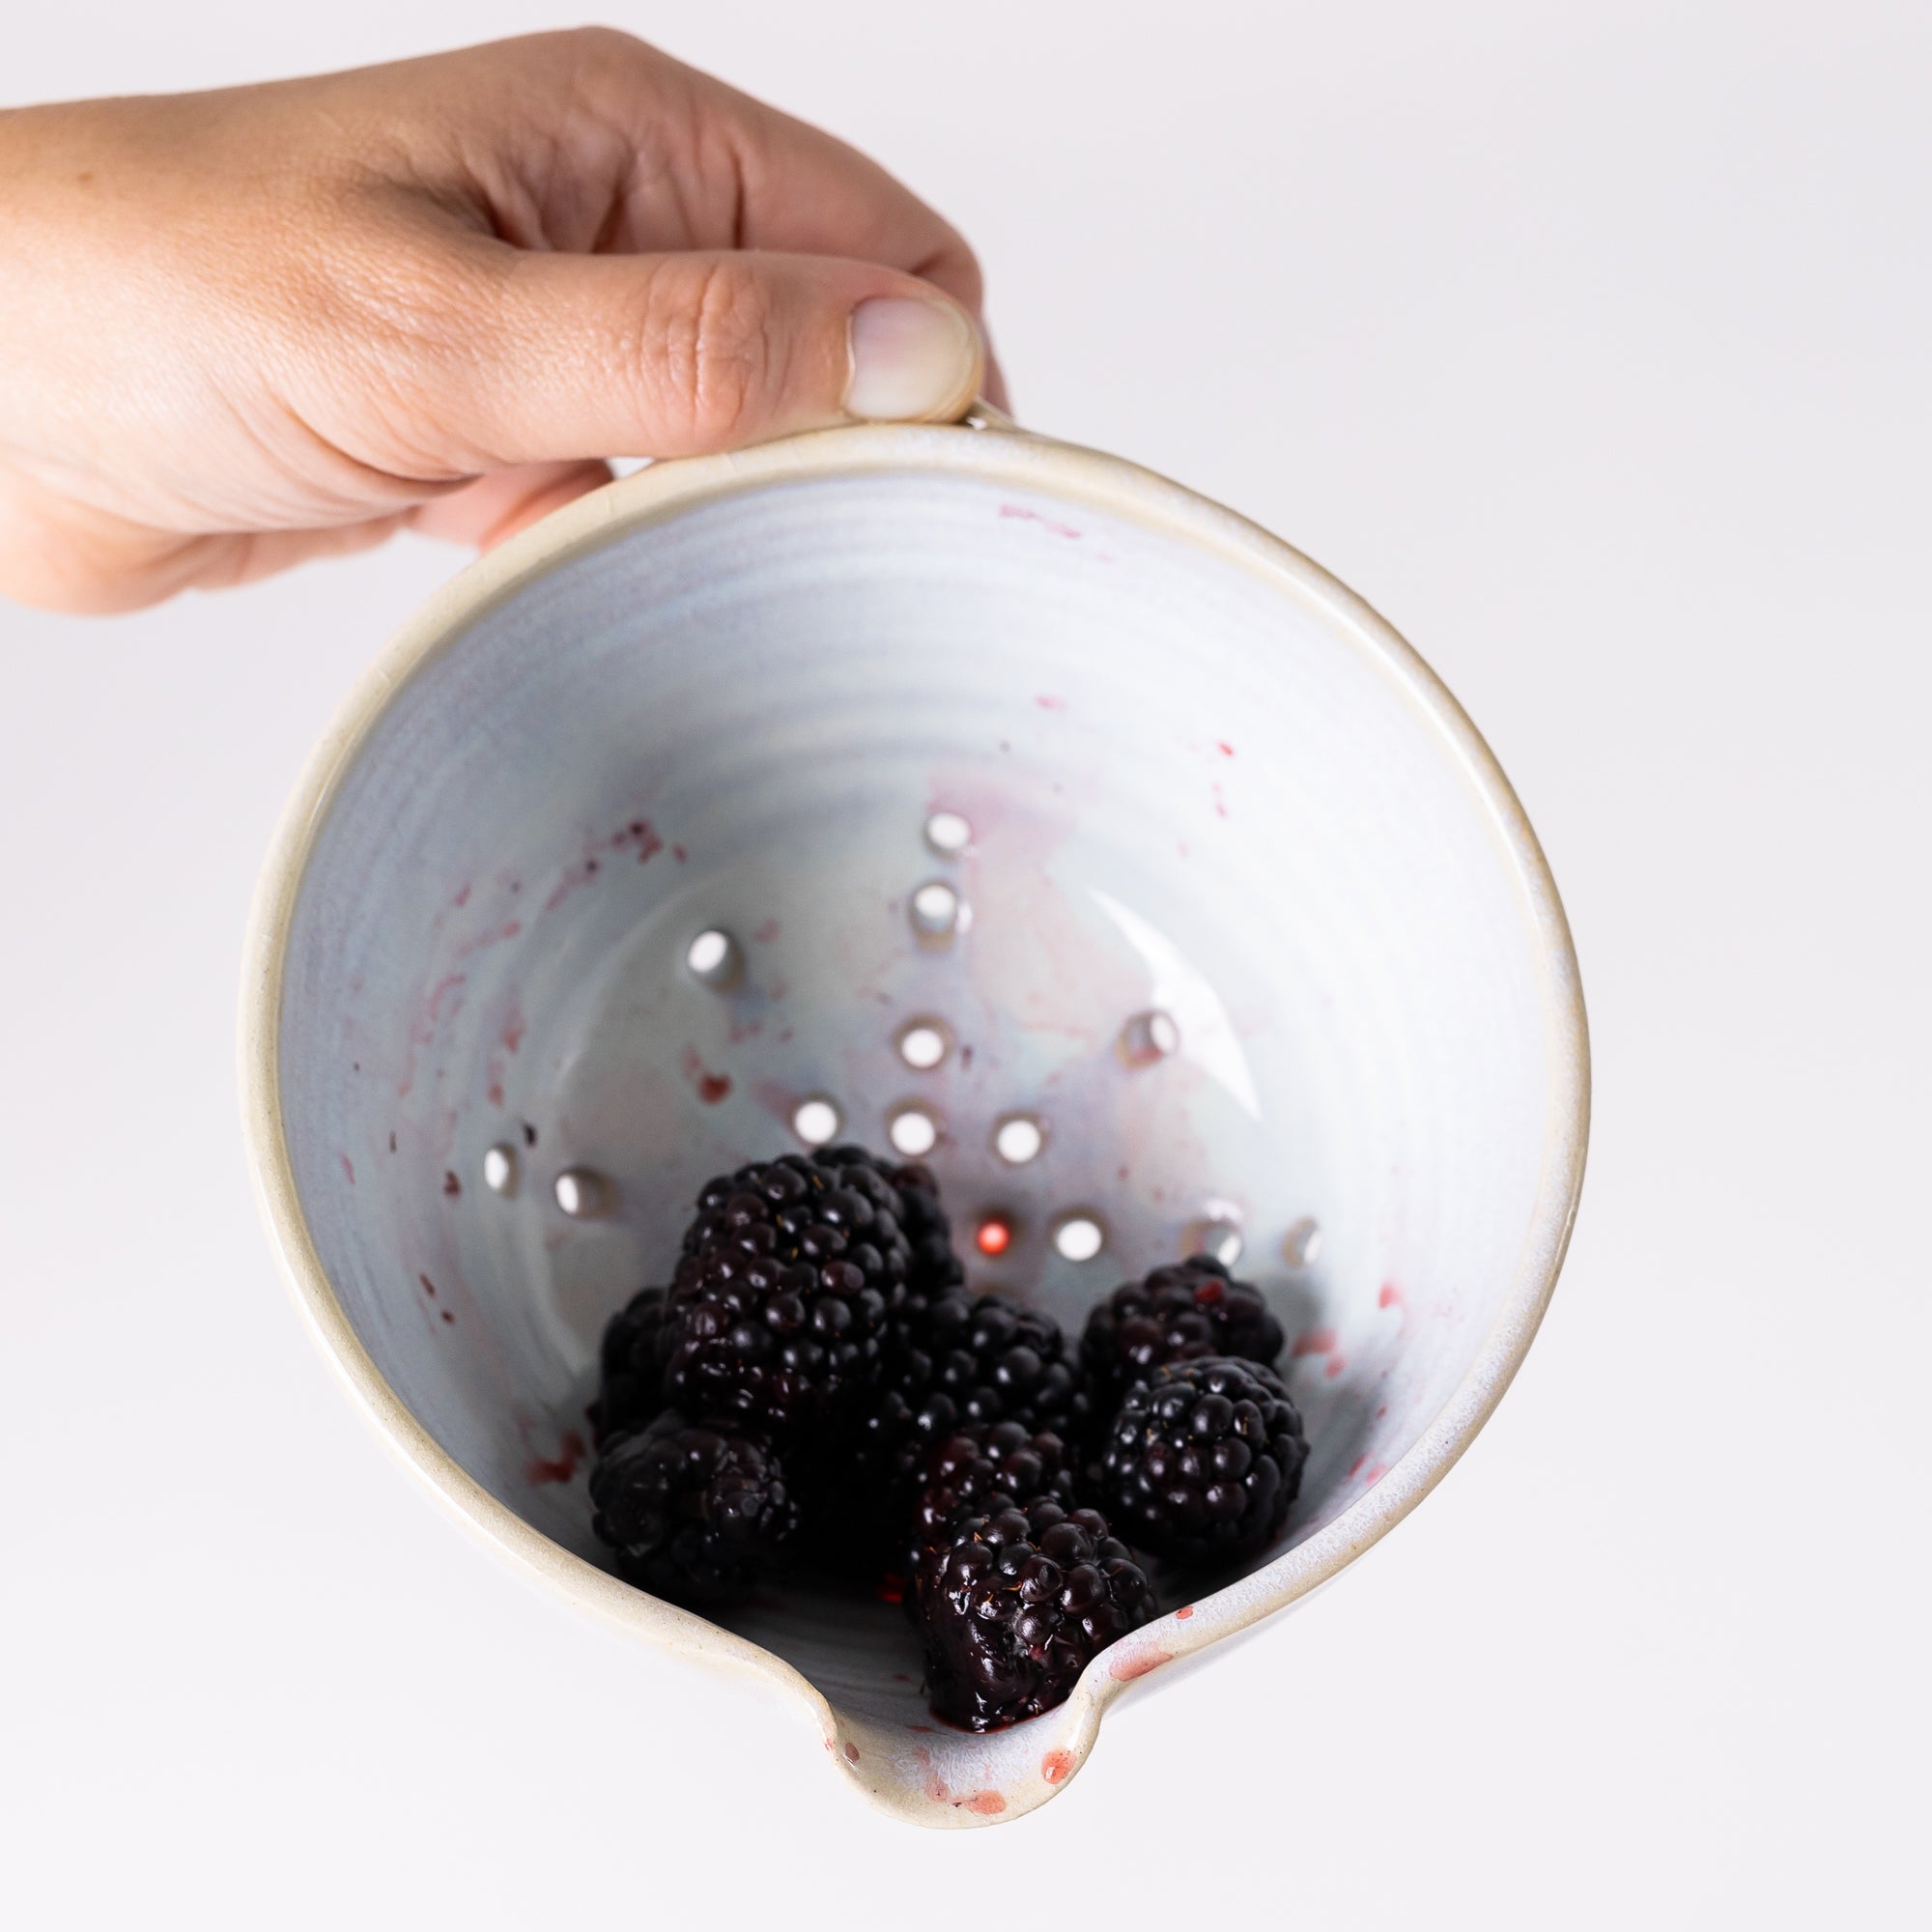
[(666, 489)]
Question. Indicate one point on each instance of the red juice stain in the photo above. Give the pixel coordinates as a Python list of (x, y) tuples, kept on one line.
[(900, 1677), (348, 1167), (765, 933), (1336, 1364), (1313, 1342), (451, 1184), (513, 1028), (1375, 1472), (1019, 513), (678, 853), (1381, 1411), (936, 1789), (1391, 1296), (890, 1589), (1355, 1467), (572, 877), (1056, 1765), (988, 1804), (1220, 802), (1124, 1669), (463, 897), (851, 1754), (1185, 1611), (710, 1088), (1226, 750), (560, 1467), (429, 1287), (1048, 703), (649, 845), (926, 1729), (448, 1316)]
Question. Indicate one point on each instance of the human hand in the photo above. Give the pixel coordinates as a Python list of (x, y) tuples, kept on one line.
[(249, 327)]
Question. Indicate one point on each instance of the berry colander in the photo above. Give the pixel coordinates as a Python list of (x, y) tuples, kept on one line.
[(951, 790)]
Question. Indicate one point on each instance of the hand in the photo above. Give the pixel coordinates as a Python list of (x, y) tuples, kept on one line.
[(249, 327)]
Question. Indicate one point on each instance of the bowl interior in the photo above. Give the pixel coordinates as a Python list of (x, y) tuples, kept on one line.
[(1190, 786)]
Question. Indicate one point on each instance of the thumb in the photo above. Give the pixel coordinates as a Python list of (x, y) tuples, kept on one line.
[(564, 357)]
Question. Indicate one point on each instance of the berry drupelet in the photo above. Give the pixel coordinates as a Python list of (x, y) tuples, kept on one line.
[(1180, 1314), (691, 1510), (778, 1313), (1202, 1461), (981, 1471), (630, 1377), (1017, 1604)]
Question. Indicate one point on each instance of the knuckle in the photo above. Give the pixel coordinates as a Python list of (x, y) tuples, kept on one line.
[(718, 355), (600, 45)]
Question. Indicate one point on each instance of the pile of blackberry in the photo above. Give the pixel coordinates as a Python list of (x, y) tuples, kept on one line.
[(817, 1386)]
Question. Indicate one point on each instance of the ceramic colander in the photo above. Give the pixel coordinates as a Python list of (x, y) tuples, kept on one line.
[(944, 788)]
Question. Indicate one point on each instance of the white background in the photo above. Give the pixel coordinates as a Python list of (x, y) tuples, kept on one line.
[(1588, 342)]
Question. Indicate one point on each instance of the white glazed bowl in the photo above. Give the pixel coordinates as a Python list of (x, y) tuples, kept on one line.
[(1201, 778)]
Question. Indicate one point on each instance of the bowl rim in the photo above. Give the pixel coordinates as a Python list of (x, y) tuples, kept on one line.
[(1023, 461)]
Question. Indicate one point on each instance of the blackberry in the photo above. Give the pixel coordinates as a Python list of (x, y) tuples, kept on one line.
[(1179, 1313), (630, 1376), (778, 1312), (995, 1361), (957, 1362), (1017, 1604), (981, 1471), (693, 1511), (1203, 1460)]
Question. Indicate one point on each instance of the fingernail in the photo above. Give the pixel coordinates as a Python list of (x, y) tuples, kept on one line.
[(911, 358)]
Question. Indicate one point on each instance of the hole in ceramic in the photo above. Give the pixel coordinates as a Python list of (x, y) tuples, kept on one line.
[(912, 1131), (1019, 1138), (499, 1169), (714, 959), (922, 1044), (1078, 1236), (947, 834), (1303, 1243), (938, 912), (583, 1194), (1221, 1240), (1150, 1038), (993, 1237), (817, 1121)]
